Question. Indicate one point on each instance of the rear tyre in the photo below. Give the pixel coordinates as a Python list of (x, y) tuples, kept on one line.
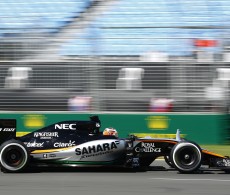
[(186, 157), (14, 156)]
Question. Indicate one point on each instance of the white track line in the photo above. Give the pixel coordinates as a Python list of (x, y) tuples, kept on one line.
[(175, 179)]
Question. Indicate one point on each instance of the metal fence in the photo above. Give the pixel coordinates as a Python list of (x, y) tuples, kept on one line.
[(106, 85), (36, 75)]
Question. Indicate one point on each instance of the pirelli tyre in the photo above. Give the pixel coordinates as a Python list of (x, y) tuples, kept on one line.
[(14, 156), (186, 157)]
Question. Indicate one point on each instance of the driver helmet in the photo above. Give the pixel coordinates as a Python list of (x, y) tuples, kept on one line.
[(110, 131)]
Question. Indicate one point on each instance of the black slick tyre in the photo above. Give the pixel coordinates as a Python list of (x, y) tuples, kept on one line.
[(14, 156), (186, 157)]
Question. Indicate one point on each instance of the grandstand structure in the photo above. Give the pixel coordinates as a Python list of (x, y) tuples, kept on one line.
[(123, 54)]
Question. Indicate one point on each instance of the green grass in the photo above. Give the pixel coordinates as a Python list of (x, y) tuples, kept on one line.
[(219, 149)]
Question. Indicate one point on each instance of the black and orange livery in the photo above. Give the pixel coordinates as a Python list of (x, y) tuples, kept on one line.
[(80, 143)]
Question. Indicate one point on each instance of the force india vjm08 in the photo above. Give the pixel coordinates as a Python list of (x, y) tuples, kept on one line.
[(80, 143)]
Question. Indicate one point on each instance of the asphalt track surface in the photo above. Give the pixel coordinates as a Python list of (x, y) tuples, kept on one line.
[(163, 181)]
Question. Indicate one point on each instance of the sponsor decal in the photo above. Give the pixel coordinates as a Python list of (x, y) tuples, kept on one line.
[(158, 122), (147, 147), (66, 126), (135, 162), (52, 155), (46, 135), (62, 145), (34, 144), (7, 129), (49, 155), (223, 162), (96, 150), (226, 162), (154, 135), (34, 120)]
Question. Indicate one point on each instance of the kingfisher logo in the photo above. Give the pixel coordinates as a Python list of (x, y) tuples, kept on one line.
[(46, 135), (97, 149)]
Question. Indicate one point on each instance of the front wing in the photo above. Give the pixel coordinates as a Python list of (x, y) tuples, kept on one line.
[(222, 163)]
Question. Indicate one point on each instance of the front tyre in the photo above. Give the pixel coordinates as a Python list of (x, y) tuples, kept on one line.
[(186, 157), (14, 156)]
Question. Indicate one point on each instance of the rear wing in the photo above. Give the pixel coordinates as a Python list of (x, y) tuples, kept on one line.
[(7, 129)]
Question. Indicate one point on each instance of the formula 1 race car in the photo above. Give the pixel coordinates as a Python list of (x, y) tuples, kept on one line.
[(80, 143)]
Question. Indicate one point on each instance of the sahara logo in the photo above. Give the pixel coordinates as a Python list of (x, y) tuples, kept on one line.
[(100, 148)]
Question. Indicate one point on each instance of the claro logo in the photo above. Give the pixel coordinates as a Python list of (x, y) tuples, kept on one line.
[(66, 126), (62, 145)]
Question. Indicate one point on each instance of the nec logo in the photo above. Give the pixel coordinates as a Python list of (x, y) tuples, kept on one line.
[(65, 126)]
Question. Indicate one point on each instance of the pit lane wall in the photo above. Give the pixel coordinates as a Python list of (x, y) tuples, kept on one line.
[(201, 128)]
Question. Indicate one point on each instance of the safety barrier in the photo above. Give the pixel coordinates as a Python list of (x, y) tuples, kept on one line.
[(202, 128)]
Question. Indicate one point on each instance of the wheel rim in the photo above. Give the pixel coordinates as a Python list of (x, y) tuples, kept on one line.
[(13, 157), (187, 157)]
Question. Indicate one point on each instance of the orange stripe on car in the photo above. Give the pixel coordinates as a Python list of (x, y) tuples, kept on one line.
[(213, 154), (167, 141), (49, 150)]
